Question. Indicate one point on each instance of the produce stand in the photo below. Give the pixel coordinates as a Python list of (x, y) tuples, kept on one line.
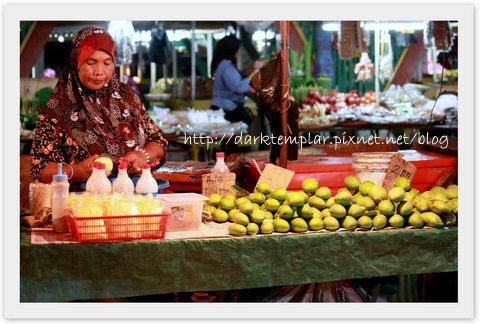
[(68, 272)]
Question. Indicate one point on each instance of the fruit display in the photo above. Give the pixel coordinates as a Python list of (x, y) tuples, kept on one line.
[(357, 206), (398, 104)]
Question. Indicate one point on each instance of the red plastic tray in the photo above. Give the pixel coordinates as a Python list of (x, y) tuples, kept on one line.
[(117, 228), (331, 169)]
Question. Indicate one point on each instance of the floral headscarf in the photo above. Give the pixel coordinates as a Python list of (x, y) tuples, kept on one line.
[(107, 121)]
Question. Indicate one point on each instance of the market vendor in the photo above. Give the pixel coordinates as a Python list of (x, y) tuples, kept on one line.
[(91, 114), (229, 84)]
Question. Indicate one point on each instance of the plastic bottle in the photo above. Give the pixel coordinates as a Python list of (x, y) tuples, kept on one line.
[(123, 184), (102, 184), (220, 166), (60, 193), (92, 180), (146, 183)]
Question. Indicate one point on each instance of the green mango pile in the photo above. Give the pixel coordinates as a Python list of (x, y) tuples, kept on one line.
[(364, 205)]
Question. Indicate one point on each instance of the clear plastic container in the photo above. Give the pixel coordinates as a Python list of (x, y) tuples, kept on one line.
[(185, 211)]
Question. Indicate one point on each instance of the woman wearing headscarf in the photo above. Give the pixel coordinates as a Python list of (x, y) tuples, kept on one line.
[(91, 114), (229, 86)]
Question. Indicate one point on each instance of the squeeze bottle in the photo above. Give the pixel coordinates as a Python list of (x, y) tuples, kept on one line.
[(146, 183), (220, 166), (123, 184), (60, 188)]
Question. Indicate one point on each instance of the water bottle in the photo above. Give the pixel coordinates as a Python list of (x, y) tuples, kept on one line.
[(146, 183), (220, 166), (60, 193), (123, 184)]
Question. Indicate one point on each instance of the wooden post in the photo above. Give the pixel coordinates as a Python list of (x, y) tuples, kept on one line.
[(284, 90)]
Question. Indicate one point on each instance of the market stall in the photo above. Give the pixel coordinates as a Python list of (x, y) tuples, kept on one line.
[(63, 272)]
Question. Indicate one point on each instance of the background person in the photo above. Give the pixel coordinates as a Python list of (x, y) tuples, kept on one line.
[(91, 114), (229, 84)]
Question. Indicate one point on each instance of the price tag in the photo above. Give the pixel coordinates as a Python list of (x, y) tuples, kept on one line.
[(398, 168), (275, 176), (219, 183)]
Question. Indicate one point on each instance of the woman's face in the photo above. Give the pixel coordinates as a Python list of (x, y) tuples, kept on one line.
[(96, 70)]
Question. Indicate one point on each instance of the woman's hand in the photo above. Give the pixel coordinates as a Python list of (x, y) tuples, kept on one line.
[(136, 160), (83, 170)]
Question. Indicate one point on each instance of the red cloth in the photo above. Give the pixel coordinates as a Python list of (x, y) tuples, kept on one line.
[(93, 43)]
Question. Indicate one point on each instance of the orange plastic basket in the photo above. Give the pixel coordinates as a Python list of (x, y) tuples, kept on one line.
[(117, 228)]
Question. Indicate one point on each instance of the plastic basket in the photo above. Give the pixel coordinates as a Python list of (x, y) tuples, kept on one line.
[(117, 228)]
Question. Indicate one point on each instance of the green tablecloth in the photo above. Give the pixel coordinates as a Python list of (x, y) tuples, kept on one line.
[(61, 272)]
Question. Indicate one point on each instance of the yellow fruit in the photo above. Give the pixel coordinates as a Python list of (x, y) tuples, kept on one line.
[(396, 194), (323, 192), (279, 194), (349, 223), (108, 164), (263, 188), (356, 210), (330, 201), (241, 201), (310, 185), (402, 182), (365, 222), (386, 207), (246, 207), (306, 212), (281, 225), (415, 220), (214, 200), (232, 213), (365, 187), (316, 202), (220, 216), (227, 204), (453, 205), (451, 193), (405, 208), (396, 221), (230, 196), (257, 197), (272, 204), (295, 199), (438, 189), (366, 202), (371, 213), (299, 225), (316, 212), (352, 182), (257, 216), (266, 227), (420, 203), (326, 212), (338, 211), (315, 224), (252, 229), (438, 206), (285, 212), (241, 218), (431, 219), (237, 229), (377, 193), (343, 198), (379, 221), (331, 223), (268, 214)]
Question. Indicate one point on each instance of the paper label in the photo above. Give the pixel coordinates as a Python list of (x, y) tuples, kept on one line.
[(275, 176), (219, 183), (398, 167)]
